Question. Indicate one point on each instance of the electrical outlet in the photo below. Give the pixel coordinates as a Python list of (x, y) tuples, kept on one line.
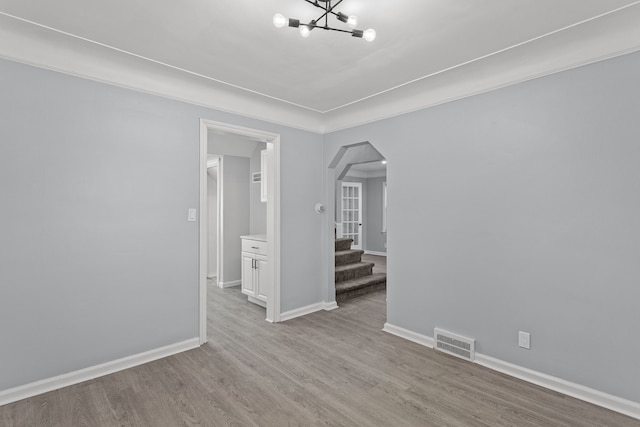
[(524, 340)]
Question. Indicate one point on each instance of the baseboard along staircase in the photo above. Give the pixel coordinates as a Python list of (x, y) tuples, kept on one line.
[(354, 277)]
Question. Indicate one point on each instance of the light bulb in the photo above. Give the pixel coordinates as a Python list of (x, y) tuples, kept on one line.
[(304, 31), (384, 162), (369, 35), (352, 21), (279, 20)]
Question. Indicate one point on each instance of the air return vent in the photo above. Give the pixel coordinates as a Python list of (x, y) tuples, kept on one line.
[(454, 344)]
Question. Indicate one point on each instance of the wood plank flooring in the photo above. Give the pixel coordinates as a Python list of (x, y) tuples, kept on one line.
[(326, 369)]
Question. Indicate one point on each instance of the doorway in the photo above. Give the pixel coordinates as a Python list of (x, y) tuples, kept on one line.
[(357, 184), (272, 163), (351, 213)]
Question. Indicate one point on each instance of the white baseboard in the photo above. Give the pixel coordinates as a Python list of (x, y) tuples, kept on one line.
[(328, 306), (257, 302), (609, 401), (75, 377), (375, 253), (605, 400), (409, 335), (229, 284), (303, 311)]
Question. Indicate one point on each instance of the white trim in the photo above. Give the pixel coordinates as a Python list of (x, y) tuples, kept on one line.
[(587, 394), (212, 162), (272, 178), (328, 306), (609, 401), (409, 335), (219, 217), (360, 219), (86, 374), (229, 284), (59, 52), (384, 208), (203, 261), (303, 311), (273, 215), (376, 253), (257, 301)]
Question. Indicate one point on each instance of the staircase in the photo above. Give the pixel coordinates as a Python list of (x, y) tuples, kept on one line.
[(354, 277)]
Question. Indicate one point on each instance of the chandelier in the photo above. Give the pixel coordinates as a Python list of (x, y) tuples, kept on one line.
[(305, 29)]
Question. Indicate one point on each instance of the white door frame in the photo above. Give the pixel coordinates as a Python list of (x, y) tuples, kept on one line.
[(219, 221), (273, 216)]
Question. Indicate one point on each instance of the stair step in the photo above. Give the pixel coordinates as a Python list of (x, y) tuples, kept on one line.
[(348, 257), (360, 286), (353, 271), (343, 244)]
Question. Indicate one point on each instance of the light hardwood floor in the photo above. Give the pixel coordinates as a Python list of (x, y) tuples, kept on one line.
[(326, 369)]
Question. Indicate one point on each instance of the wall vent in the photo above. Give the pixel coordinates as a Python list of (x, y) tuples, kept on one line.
[(256, 177), (454, 344)]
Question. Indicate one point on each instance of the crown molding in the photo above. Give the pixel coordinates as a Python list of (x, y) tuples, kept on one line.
[(595, 40), (42, 47), (607, 36)]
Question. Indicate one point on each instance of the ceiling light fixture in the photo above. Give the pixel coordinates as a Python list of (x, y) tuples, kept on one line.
[(280, 21)]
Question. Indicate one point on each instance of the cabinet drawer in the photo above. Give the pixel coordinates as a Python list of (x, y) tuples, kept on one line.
[(254, 246)]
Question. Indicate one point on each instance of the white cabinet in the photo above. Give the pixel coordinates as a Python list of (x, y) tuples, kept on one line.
[(254, 268)]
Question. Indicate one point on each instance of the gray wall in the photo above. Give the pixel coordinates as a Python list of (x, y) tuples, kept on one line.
[(525, 217), (235, 214), (376, 239), (258, 211), (97, 259)]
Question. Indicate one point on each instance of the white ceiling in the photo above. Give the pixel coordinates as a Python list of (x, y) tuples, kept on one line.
[(232, 49), (368, 170)]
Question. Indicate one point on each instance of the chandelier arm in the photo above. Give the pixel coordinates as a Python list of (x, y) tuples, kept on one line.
[(330, 9), (324, 27)]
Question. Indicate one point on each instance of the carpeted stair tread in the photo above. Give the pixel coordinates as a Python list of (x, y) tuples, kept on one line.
[(353, 271), (360, 286), (348, 257), (353, 277), (343, 244)]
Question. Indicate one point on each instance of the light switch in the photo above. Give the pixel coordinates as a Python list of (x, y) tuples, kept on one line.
[(191, 216), (524, 340)]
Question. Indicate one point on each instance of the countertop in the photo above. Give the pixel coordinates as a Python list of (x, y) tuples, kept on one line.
[(259, 237)]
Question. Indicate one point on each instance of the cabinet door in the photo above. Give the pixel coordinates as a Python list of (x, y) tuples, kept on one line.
[(261, 278), (248, 282)]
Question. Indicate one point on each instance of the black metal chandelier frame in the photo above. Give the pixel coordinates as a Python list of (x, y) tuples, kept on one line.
[(328, 6)]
